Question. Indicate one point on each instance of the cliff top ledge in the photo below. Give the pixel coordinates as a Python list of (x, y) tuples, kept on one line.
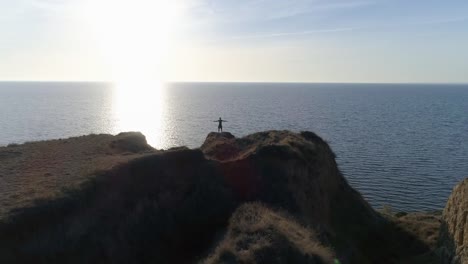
[(275, 195), (225, 146)]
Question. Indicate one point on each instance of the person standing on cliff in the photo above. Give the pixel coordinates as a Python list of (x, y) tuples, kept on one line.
[(220, 124)]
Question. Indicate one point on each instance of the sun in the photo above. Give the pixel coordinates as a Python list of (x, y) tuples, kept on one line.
[(134, 35)]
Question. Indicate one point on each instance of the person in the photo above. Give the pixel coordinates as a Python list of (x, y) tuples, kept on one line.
[(220, 124)]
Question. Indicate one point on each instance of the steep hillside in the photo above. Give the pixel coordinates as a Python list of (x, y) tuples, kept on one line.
[(179, 206)]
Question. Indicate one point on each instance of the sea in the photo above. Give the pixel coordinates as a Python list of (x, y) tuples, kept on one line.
[(403, 146)]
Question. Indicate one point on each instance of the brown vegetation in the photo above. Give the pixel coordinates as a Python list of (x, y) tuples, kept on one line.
[(454, 230), (174, 206), (257, 234), (41, 170), (422, 227)]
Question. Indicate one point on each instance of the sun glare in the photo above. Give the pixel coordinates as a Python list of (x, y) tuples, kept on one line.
[(135, 37), (140, 109)]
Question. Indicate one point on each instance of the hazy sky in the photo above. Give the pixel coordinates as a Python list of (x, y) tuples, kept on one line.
[(237, 40)]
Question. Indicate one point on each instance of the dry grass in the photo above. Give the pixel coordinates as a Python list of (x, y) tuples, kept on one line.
[(424, 226), (299, 172), (159, 208), (225, 147), (421, 228), (168, 207), (257, 234), (453, 240), (41, 170)]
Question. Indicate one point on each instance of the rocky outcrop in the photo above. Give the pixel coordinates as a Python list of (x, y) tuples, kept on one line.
[(454, 230), (297, 172), (176, 206)]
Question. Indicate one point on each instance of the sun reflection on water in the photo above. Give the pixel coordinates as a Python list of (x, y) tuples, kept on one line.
[(139, 106)]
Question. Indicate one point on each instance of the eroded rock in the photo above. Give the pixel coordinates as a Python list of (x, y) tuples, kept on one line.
[(454, 230)]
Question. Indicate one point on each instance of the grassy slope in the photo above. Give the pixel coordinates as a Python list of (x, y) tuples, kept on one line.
[(41, 170), (173, 206), (257, 234)]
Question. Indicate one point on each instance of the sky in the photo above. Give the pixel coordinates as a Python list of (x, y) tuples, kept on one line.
[(385, 41)]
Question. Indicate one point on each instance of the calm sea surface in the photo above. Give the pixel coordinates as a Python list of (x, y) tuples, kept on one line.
[(401, 145)]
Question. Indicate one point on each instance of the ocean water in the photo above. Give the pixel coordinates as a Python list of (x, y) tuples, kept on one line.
[(400, 145)]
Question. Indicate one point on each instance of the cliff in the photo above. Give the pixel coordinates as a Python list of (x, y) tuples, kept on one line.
[(185, 206), (454, 231)]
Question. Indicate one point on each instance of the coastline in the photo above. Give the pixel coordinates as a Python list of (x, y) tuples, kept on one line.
[(42, 176)]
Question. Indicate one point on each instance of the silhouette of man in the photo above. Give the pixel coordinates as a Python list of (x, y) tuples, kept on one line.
[(220, 124)]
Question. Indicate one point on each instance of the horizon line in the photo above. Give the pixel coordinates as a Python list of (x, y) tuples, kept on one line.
[(253, 82)]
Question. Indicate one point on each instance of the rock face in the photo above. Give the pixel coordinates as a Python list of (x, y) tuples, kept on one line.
[(454, 230), (176, 206)]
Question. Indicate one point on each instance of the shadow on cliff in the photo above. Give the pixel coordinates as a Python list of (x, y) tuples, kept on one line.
[(163, 208), (447, 249), (175, 207)]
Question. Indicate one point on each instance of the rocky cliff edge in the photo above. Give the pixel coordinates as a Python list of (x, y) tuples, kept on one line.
[(269, 197), (454, 230)]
